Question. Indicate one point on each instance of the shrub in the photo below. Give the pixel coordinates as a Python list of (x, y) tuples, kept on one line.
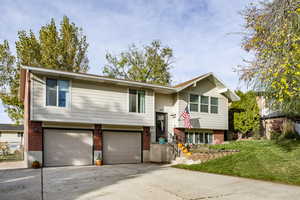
[(275, 135)]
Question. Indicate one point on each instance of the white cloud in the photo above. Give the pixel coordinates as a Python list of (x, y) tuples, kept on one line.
[(197, 30)]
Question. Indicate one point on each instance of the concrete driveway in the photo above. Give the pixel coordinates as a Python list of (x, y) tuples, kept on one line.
[(132, 182)]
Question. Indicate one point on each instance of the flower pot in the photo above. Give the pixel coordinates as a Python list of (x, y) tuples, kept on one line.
[(98, 162), (36, 164)]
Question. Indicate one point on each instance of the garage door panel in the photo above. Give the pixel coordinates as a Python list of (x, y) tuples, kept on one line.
[(121, 147), (67, 147)]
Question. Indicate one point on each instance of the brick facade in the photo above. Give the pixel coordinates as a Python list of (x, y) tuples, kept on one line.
[(146, 138), (180, 135), (97, 138), (218, 137), (35, 136)]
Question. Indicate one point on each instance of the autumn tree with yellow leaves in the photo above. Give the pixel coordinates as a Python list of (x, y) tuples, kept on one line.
[(273, 36)]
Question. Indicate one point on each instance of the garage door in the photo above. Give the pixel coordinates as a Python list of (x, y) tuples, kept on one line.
[(121, 147), (67, 147)]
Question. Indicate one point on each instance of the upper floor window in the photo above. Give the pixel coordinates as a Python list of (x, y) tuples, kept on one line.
[(194, 103), (214, 105), (204, 104), (137, 101), (57, 92)]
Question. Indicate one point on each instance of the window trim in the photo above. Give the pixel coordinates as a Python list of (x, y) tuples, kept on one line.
[(68, 104), (128, 99), (189, 102)]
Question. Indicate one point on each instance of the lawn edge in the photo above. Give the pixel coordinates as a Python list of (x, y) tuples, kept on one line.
[(236, 176)]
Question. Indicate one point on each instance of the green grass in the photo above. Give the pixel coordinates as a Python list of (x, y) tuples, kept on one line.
[(262, 159), (11, 157)]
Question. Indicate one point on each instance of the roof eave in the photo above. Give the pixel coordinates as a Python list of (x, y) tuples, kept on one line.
[(44, 71)]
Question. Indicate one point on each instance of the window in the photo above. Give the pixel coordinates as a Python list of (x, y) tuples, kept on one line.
[(214, 105), (137, 101), (201, 135), (198, 138), (208, 138), (204, 104), (51, 92), (194, 103), (189, 138), (57, 92)]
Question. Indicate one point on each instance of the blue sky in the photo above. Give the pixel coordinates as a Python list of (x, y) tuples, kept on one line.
[(204, 34)]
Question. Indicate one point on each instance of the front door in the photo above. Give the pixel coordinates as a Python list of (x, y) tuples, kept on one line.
[(161, 125)]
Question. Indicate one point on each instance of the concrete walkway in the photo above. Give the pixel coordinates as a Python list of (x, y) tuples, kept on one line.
[(135, 182)]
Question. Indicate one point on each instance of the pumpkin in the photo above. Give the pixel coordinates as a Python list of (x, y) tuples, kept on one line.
[(36, 164)]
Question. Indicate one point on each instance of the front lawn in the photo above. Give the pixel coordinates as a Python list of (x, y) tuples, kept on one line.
[(11, 157), (262, 159)]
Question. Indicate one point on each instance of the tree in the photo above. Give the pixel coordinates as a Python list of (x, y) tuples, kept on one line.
[(273, 36), (248, 120), (151, 64), (63, 49)]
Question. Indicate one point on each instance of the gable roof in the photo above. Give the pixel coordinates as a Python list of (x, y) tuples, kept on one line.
[(223, 88), (11, 127), (189, 82), (157, 88)]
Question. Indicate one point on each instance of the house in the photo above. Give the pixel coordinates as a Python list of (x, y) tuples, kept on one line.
[(73, 118), (12, 135), (273, 120)]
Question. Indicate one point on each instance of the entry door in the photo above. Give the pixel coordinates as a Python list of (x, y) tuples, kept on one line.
[(122, 147), (161, 125), (68, 147)]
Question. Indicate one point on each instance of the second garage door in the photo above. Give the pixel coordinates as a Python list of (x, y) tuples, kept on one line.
[(121, 147), (68, 147)]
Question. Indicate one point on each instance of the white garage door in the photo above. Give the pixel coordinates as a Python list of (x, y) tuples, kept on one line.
[(67, 147), (121, 147)]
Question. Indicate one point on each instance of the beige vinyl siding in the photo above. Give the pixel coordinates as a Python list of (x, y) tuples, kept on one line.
[(166, 104), (205, 120), (91, 102)]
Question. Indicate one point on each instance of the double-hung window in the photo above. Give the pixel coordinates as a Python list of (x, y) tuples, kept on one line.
[(204, 104), (214, 105), (57, 92), (194, 103), (137, 101)]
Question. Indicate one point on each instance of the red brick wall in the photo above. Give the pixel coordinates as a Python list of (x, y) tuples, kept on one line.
[(180, 135), (218, 137), (97, 138), (35, 136), (146, 138)]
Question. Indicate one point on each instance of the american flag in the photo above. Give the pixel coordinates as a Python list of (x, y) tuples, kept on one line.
[(186, 118)]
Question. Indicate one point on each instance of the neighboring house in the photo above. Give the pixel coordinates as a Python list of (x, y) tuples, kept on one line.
[(71, 118), (272, 121), (12, 135)]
